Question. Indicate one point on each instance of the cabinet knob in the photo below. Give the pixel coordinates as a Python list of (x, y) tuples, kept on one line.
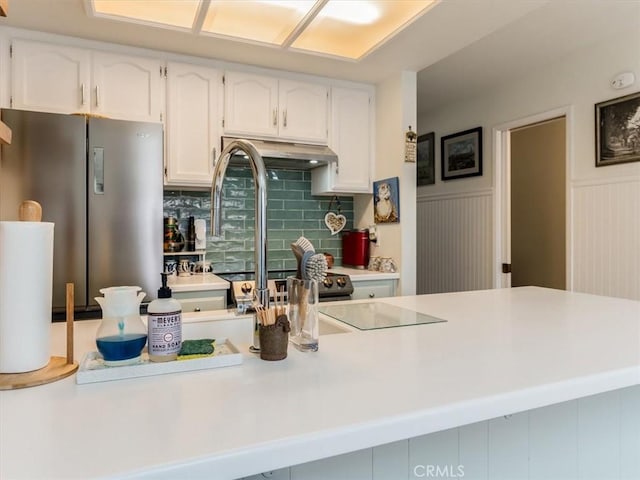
[(371, 295), (197, 309)]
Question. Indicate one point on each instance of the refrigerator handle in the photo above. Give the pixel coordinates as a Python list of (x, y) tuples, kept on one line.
[(98, 170)]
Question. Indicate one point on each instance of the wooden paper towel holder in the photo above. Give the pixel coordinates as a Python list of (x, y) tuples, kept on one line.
[(58, 367)]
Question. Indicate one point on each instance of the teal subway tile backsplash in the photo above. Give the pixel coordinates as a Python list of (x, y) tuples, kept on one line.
[(292, 211)]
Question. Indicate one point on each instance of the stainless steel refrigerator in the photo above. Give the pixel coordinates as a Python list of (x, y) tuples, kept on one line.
[(100, 181)]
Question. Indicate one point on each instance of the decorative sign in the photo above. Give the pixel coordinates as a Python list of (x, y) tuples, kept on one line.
[(410, 146), (335, 222)]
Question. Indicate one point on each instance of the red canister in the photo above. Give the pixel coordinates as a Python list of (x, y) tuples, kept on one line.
[(355, 248)]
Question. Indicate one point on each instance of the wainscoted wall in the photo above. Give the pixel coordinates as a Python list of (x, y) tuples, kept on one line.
[(606, 237), (455, 231), (455, 242), (594, 438), (292, 211)]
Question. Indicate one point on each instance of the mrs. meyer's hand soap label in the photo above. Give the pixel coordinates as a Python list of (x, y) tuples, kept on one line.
[(165, 335)]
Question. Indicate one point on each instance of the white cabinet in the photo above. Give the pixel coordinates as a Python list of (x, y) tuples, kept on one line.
[(374, 289), (250, 105), (202, 301), (49, 78), (194, 99), (126, 87), (59, 79), (262, 106), (350, 138), (303, 111)]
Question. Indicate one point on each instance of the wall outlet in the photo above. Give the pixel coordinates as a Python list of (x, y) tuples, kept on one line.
[(374, 235)]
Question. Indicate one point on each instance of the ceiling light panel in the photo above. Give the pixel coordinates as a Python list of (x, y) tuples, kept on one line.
[(353, 28), (266, 21), (176, 13)]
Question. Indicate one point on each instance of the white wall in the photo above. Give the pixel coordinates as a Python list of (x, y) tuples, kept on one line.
[(610, 266), (396, 101)]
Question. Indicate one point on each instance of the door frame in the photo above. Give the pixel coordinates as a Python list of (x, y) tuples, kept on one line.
[(502, 199)]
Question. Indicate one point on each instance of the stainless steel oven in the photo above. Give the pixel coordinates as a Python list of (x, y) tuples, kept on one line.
[(335, 287)]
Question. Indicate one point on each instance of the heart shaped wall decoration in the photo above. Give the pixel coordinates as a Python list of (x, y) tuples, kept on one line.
[(335, 223)]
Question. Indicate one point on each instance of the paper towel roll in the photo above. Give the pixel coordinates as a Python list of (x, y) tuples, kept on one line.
[(26, 276)]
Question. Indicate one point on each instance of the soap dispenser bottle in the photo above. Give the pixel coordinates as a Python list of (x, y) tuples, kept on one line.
[(164, 324)]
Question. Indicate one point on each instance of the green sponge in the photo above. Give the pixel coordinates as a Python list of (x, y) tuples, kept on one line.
[(203, 347)]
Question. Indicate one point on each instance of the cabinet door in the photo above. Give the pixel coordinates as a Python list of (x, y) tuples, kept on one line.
[(350, 138), (49, 78), (193, 123), (374, 289), (303, 111), (250, 105), (125, 87)]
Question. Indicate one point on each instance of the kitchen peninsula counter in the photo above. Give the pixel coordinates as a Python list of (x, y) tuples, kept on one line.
[(499, 352)]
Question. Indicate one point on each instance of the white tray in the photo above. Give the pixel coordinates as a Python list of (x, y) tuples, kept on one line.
[(92, 369)]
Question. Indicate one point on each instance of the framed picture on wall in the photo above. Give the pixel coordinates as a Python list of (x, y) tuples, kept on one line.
[(618, 130), (461, 154), (386, 200), (426, 165)]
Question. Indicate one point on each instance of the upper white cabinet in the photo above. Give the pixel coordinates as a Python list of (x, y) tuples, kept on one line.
[(194, 99), (303, 109), (262, 106), (59, 79), (350, 138), (50, 78), (250, 105), (126, 87)]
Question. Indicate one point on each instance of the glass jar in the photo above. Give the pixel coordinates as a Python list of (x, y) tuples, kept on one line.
[(121, 335), (302, 298)]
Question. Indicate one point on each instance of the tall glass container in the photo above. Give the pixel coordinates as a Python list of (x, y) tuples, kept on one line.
[(303, 313)]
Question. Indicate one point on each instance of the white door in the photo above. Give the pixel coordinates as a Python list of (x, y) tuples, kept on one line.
[(126, 87), (538, 206), (532, 203), (49, 78), (303, 111), (193, 123), (250, 105)]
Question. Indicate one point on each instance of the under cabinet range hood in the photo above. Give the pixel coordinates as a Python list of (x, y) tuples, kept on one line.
[(285, 155)]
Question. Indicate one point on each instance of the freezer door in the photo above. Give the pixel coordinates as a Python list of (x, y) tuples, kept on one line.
[(125, 205), (46, 162)]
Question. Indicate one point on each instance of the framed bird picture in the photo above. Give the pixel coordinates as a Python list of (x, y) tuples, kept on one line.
[(386, 200)]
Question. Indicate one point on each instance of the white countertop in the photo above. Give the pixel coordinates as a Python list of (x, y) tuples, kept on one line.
[(358, 275), (500, 352), (197, 282), (209, 281)]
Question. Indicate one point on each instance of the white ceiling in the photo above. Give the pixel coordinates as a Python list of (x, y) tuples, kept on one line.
[(541, 37), (458, 47)]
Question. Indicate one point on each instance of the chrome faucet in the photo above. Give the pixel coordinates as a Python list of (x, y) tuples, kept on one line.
[(260, 185)]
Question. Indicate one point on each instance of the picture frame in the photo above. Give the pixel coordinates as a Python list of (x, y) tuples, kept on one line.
[(426, 165), (461, 154), (618, 130), (386, 200)]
